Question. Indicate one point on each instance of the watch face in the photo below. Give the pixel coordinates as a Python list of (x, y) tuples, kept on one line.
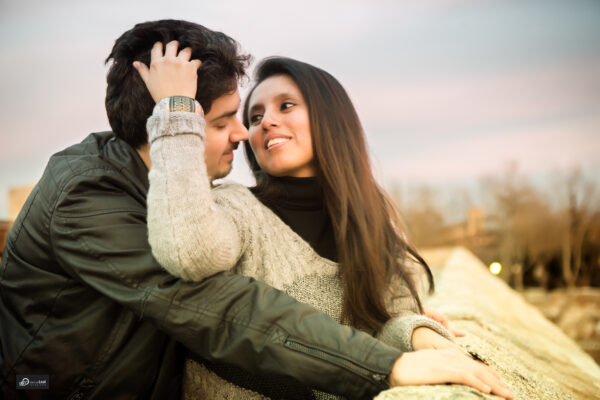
[(179, 104)]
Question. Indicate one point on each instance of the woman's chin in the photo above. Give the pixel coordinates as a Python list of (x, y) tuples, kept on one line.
[(276, 173), (280, 168), (276, 169)]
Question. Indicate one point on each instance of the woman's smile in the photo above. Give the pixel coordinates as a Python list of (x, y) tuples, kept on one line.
[(279, 132), (272, 143)]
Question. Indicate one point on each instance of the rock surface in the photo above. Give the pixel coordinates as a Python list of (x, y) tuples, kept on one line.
[(534, 357), (575, 310)]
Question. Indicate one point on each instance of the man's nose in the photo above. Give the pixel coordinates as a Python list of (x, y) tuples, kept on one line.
[(239, 132)]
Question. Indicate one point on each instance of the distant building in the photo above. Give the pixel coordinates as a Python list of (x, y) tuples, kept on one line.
[(4, 227), (478, 233), (474, 231), (16, 199), (475, 222)]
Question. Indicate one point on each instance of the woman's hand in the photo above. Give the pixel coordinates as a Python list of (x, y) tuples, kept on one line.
[(427, 339), (441, 318), (430, 367), (171, 74)]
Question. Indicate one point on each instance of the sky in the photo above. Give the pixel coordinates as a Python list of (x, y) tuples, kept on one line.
[(447, 91)]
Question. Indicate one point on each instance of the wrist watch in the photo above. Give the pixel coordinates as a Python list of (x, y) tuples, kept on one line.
[(178, 104)]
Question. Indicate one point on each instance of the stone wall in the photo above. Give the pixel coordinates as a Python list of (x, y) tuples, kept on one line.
[(534, 357)]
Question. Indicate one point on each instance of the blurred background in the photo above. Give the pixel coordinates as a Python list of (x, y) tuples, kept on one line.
[(483, 117)]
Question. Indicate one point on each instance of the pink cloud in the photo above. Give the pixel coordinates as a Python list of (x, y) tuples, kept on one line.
[(473, 101), (542, 148)]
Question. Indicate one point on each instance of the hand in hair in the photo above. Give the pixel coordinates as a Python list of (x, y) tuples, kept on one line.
[(171, 73), (430, 367)]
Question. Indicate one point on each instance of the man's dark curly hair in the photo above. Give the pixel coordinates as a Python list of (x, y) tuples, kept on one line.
[(128, 102)]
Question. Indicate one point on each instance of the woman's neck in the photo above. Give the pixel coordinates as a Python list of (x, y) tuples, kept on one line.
[(299, 193), (299, 202)]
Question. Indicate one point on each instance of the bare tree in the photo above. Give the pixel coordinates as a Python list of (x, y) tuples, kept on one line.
[(525, 223), (422, 216), (579, 203)]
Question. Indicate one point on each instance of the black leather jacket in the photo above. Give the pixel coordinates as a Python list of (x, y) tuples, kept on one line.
[(83, 301)]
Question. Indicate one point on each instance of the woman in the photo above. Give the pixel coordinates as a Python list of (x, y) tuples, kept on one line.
[(302, 125)]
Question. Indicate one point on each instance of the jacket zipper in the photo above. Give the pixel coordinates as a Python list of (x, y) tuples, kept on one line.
[(378, 378)]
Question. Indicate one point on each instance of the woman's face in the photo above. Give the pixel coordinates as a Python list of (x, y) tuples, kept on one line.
[(280, 129)]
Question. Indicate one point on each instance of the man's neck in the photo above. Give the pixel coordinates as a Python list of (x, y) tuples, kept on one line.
[(144, 152)]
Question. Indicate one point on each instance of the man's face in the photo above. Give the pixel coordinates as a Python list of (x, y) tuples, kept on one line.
[(224, 131)]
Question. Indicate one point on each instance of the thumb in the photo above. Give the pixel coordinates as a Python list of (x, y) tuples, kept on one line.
[(142, 69)]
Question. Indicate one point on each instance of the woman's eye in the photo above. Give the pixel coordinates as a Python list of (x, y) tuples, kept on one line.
[(255, 118), (286, 105)]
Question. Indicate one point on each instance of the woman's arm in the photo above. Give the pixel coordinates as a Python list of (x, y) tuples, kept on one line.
[(415, 332), (403, 331), (191, 236)]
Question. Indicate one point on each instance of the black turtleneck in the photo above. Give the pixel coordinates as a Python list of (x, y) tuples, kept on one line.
[(301, 206)]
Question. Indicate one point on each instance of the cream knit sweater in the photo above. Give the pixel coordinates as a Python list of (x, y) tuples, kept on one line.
[(196, 230)]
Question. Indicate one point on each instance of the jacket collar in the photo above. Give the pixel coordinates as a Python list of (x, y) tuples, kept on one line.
[(124, 158)]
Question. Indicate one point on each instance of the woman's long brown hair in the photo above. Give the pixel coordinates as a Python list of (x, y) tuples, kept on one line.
[(371, 249)]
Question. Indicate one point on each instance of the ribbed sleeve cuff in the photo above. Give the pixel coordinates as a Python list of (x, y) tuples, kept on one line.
[(398, 332), (164, 123)]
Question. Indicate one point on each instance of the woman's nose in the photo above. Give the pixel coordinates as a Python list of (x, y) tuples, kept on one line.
[(269, 120)]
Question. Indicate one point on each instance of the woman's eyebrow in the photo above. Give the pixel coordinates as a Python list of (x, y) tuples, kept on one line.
[(279, 96), (255, 107), (286, 95)]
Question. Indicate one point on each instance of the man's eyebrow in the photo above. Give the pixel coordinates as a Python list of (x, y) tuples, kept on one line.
[(224, 115)]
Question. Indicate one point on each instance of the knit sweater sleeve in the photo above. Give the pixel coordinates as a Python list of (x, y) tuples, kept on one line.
[(398, 331), (191, 236)]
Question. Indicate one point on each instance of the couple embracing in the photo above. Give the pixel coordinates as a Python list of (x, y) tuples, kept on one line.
[(240, 293)]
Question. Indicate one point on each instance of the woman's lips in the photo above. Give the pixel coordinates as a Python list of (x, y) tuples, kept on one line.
[(276, 142)]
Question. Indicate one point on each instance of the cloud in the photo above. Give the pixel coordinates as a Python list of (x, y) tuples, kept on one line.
[(473, 101), (537, 149)]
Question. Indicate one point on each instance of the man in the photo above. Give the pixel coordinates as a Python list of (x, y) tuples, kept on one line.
[(86, 311)]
